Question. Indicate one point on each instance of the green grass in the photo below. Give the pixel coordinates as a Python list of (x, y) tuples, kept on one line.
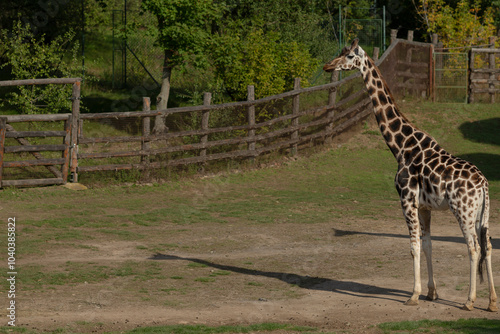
[(38, 277), (462, 326), (202, 329)]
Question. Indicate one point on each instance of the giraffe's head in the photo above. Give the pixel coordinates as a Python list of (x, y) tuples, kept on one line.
[(350, 58)]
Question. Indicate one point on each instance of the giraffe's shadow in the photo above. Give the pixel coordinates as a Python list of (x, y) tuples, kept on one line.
[(495, 243), (350, 288), (305, 282)]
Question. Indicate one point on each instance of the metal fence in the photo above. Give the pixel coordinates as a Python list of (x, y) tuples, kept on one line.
[(137, 60), (450, 76)]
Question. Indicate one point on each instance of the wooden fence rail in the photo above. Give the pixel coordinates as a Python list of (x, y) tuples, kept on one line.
[(484, 80), (287, 137), (60, 174), (15, 156)]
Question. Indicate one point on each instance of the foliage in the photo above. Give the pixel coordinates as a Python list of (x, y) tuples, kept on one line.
[(309, 23), (464, 25), (44, 17), (260, 59), (30, 57), (183, 28), (183, 33)]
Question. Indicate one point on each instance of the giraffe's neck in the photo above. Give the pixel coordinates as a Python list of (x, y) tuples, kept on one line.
[(395, 128)]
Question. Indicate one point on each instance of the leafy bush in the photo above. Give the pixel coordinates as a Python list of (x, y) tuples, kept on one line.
[(465, 24), (260, 59), (31, 57)]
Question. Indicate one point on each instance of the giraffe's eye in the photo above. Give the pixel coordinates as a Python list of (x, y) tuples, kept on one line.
[(349, 56)]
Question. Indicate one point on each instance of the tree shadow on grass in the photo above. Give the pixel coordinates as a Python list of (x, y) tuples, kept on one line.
[(483, 131), (488, 132), (488, 164)]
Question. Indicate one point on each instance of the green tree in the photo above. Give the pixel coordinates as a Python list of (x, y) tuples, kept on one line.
[(183, 31), (463, 25), (260, 59), (30, 57)]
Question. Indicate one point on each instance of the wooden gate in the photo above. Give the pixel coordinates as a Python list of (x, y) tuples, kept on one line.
[(484, 74), (30, 156)]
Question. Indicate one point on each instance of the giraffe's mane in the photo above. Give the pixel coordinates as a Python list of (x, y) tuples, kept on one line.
[(388, 91)]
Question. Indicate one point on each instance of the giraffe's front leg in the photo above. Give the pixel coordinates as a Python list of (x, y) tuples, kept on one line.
[(424, 216), (411, 215)]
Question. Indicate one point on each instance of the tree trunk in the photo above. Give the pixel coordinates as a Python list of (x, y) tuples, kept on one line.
[(162, 98)]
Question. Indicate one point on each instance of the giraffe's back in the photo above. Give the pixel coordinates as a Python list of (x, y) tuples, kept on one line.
[(440, 180)]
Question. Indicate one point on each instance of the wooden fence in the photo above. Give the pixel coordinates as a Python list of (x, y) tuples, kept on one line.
[(115, 141), (484, 79), (16, 146)]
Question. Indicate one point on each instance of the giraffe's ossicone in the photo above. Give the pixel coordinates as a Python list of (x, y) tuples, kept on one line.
[(428, 178)]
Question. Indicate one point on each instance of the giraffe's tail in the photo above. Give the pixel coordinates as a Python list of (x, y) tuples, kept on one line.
[(483, 233), (483, 241)]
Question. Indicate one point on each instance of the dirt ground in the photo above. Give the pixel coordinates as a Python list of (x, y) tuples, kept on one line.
[(335, 277), (343, 275)]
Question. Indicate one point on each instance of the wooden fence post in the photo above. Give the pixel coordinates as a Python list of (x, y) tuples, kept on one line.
[(67, 144), (409, 54), (295, 111), (432, 67), (332, 99), (376, 53), (434, 39), (492, 78), (251, 119), (394, 35), (146, 129), (431, 72), (472, 55), (207, 99), (3, 122), (410, 35), (75, 118)]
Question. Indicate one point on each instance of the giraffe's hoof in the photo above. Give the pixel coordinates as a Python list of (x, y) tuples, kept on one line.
[(431, 298), (432, 295), (493, 307), (411, 302), (468, 307)]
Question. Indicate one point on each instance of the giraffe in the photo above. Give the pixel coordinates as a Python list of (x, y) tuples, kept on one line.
[(428, 178)]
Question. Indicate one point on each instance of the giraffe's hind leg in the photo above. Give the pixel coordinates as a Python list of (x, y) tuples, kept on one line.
[(483, 232), (468, 227), (424, 217), (474, 249), (493, 307)]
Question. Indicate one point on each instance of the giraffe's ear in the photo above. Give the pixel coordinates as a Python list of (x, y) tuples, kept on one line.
[(354, 44)]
